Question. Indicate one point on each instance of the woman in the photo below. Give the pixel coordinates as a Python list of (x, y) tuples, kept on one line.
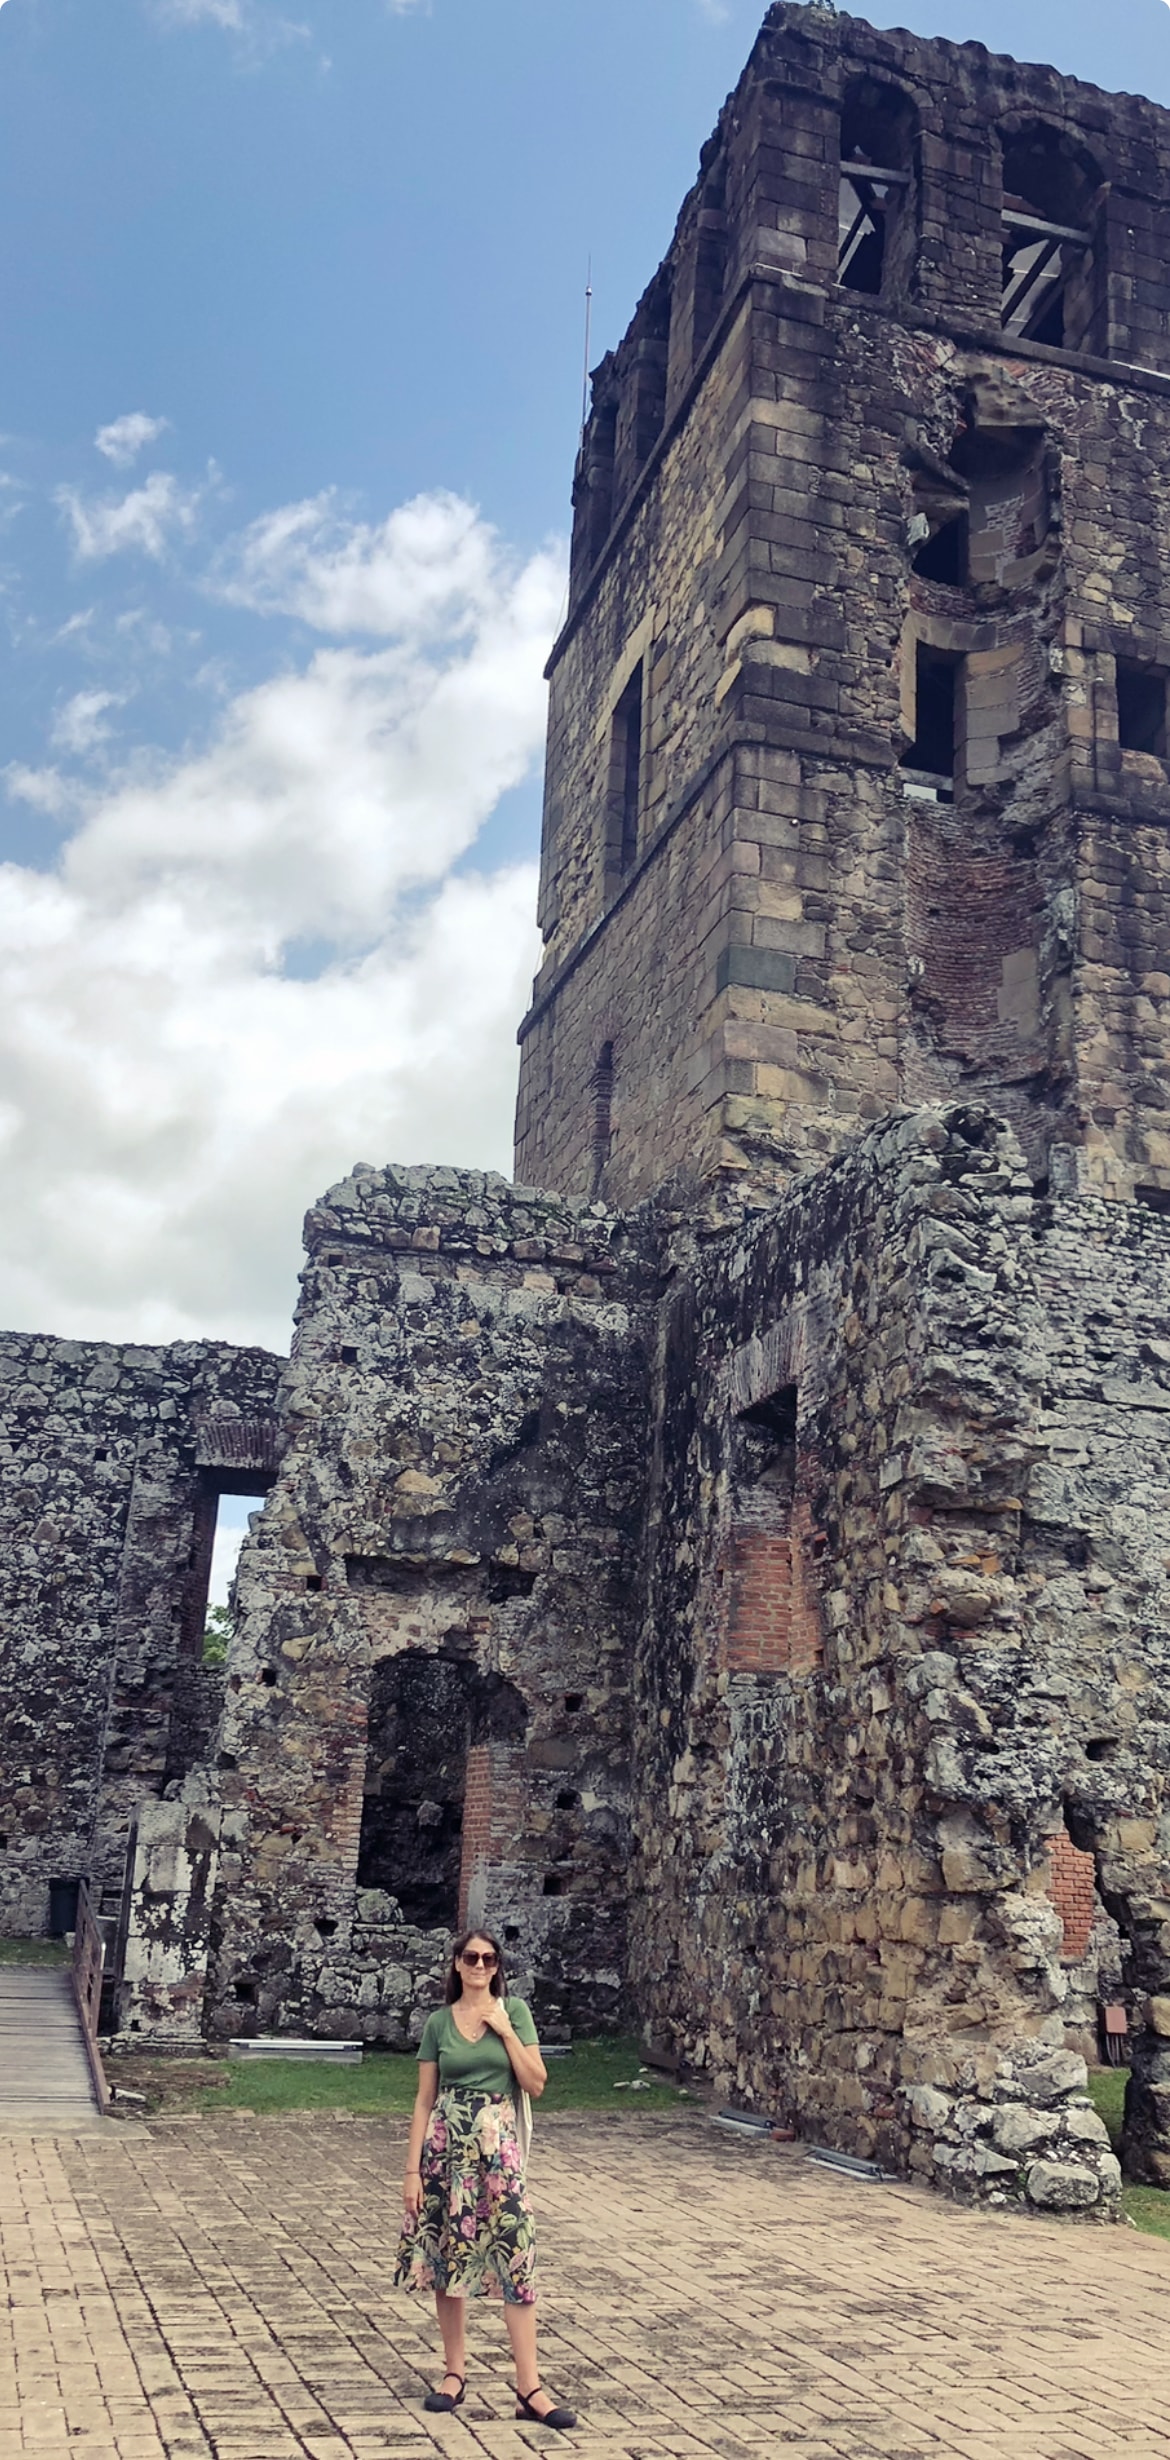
[(467, 2228)]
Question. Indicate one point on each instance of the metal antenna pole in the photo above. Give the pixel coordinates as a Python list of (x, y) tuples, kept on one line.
[(588, 329)]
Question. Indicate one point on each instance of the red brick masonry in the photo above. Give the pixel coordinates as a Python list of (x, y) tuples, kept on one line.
[(1074, 1895)]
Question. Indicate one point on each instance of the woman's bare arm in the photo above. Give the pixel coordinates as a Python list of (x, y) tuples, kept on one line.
[(424, 2102), (528, 2067)]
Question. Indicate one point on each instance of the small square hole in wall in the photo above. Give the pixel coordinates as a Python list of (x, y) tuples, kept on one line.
[(245, 1993), (553, 1883), (1141, 708), (101, 1454), (566, 1802), (1155, 1199), (314, 1581), (268, 1676), (325, 1924), (349, 1357), (3, 1844), (573, 1701), (511, 1931)]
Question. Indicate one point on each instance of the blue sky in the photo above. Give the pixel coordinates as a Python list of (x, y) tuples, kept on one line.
[(291, 298)]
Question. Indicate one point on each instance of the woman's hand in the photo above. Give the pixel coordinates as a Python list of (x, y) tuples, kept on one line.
[(412, 2195), (497, 2019)]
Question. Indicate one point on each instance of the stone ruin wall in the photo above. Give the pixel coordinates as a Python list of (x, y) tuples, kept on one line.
[(107, 1455), (896, 1630), (427, 1690), (909, 1625)]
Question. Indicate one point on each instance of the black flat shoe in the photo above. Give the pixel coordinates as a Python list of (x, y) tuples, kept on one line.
[(441, 2403), (561, 2418)]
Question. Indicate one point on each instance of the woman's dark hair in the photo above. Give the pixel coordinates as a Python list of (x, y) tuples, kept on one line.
[(499, 1987)]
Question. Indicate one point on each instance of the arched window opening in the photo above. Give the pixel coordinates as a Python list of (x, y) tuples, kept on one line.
[(875, 217), (1050, 277)]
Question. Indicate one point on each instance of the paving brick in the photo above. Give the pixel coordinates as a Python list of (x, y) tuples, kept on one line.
[(740, 2304)]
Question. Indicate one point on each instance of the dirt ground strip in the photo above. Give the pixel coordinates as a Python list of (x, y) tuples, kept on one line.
[(222, 2288)]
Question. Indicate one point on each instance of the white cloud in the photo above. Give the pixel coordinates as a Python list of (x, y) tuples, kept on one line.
[(196, 12), (431, 564), (80, 726), (143, 522), (173, 1097), (261, 31), (125, 438), (43, 789)]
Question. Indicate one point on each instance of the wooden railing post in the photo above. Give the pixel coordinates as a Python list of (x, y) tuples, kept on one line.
[(88, 1956)]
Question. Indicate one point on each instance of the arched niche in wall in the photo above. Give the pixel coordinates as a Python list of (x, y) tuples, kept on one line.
[(877, 210), (1054, 272)]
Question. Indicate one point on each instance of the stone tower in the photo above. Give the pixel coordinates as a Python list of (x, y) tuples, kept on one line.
[(857, 784)]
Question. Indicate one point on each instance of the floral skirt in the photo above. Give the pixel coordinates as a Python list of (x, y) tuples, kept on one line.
[(475, 2236)]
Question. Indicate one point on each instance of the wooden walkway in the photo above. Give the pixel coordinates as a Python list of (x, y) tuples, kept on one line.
[(45, 2085)]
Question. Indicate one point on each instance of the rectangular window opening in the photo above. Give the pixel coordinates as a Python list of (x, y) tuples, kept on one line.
[(220, 1527), (1141, 708), (602, 1112), (932, 752), (625, 776)]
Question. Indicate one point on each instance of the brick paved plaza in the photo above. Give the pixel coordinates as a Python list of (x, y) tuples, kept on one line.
[(221, 2287)]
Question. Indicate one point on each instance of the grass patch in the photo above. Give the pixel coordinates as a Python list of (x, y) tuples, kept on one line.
[(383, 2086), (1148, 2207), (1107, 2091), (33, 1952)]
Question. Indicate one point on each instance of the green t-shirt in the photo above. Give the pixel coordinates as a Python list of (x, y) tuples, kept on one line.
[(474, 2066)]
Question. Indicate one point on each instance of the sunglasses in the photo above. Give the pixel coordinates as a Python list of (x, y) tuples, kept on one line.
[(474, 1956)]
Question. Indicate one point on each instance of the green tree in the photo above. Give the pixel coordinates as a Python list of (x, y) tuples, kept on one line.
[(217, 1631)]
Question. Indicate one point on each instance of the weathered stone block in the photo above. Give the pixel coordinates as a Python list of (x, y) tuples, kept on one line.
[(1057, 2187)]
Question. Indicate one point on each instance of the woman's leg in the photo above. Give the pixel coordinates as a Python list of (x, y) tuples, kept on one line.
[(452, 2314), (521, 2322)]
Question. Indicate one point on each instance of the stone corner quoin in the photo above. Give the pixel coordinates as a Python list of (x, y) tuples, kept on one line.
[(740, 1579)]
